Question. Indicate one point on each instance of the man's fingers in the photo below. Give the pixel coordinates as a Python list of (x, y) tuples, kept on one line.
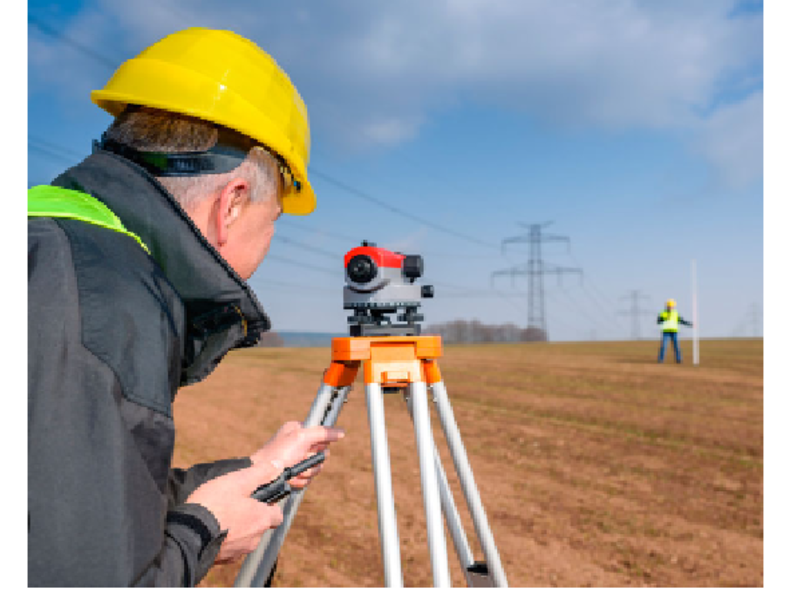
[(320, 434), (310, 473)]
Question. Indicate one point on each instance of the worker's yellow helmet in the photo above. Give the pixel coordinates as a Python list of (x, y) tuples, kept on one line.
[(226, 79), (671, 303)]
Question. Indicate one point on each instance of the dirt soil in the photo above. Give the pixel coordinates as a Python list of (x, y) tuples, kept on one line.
[(596, 466)]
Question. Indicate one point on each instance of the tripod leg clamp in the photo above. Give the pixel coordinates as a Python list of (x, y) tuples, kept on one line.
[(341, 374)]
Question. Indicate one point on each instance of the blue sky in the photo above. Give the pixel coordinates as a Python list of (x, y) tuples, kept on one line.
[(635, 127)]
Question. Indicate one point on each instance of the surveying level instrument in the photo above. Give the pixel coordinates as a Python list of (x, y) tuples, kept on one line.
[(395, 357), (379, 283)]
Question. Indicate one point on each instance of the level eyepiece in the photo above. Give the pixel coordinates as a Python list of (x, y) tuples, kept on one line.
[(412, 266)]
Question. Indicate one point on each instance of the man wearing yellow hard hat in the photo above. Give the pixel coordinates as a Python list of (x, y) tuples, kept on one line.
[(138, 258), (669, 319)]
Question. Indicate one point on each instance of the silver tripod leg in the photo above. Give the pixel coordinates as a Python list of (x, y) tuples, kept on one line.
[(453, 520), (430, 486), (381, 468), (468, 485), (449, 508), (258, 564)]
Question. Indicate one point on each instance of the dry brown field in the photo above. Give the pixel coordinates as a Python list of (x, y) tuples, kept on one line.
[(596, 466)]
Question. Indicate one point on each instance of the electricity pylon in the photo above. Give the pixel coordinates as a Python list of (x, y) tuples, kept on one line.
[(535, 269), (635, 311)]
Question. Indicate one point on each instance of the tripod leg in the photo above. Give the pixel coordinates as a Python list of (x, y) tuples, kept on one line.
[(452, 518), (430, 490), (468, 485), (381, 467), (258, 564)]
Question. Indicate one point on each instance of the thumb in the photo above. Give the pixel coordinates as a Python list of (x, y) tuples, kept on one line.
[(248, 479), (290, 426)]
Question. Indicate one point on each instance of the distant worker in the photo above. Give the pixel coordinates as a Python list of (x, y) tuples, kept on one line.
[(669, 319), (137, 265)]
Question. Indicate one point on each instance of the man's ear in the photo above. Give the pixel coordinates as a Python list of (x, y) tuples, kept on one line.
[(228, 208)]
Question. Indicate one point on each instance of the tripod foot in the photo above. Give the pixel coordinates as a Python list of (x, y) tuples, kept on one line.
[(478, 575)]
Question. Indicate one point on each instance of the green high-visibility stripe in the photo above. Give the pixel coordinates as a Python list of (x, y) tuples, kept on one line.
[(56, 202)]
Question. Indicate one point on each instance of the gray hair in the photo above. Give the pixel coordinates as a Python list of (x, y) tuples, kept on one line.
[(153, 130)]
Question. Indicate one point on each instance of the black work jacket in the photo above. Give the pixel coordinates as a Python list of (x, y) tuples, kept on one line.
[(112, 334)]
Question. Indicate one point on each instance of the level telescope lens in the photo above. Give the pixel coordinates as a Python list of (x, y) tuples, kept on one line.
[(361, 269)]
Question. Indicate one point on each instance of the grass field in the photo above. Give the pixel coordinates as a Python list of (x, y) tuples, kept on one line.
[(596, 466)]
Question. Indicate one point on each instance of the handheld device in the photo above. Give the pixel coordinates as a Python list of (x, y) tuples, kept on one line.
[(279, 488)]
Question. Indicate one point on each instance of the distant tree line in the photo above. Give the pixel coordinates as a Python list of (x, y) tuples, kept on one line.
[(475, 332), (453, 332), (270, 339)]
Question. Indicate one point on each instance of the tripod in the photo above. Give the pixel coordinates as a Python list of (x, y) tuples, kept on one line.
[(393, 363)]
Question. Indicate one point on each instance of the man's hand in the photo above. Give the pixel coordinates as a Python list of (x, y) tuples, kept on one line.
[(293, 443), (228, 497)]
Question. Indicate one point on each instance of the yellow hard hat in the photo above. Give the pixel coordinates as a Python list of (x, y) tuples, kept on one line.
[(671, 302), (226, 79)]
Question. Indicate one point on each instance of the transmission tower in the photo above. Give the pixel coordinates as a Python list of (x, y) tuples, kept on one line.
[(535, 269), (635, 311)]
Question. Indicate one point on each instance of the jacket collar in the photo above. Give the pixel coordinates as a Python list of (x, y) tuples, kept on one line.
[(222, 311)]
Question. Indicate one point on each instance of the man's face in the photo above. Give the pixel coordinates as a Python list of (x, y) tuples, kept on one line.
[(256, 228), (251, 234)]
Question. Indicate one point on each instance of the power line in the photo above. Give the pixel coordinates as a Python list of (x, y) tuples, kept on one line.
[(351, 239), (47, 152), (385, 205), (307, 247), (555, 317), (346, 238), (67, 154), (597, 297), (577, 308), (59, 35), (286, 284), (284, 260)]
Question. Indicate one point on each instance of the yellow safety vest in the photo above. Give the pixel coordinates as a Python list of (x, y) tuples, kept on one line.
[(670, 320)]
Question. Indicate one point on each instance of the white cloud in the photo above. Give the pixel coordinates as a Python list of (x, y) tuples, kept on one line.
[(732, 139), (390, 131), (371, 72)]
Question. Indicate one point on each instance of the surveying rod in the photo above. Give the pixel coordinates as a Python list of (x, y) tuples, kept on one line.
[(695, 326)]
